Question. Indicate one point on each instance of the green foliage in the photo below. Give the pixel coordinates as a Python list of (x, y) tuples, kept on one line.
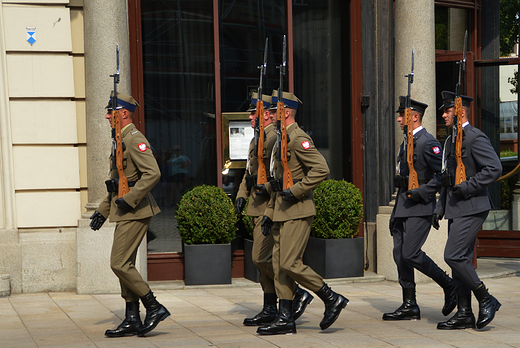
[(507, 186), (508, 153), (508, 26), (339, 210), (206, 215), (441, 28)]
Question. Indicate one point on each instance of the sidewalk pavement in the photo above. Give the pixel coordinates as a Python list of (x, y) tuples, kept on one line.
[(211, 316)]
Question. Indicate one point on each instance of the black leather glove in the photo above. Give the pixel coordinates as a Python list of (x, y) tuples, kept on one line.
[(260, 190), (435, 220), (288, 196), (121, 204), (414, 195), (240, 203), (457, 191), (267, 223), (391, 225), (97, 220)]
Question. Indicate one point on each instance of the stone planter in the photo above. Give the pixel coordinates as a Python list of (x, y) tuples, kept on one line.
[(335, 258), (251, 272), (207, 264)]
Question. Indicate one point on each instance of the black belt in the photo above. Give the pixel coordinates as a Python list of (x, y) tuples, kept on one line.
[(402, 181), (448, 180), (113, 184), (277, 184), (251, 181)]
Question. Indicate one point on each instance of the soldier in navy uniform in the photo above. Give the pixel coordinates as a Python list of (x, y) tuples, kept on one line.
[(466, 207), (410, 221)]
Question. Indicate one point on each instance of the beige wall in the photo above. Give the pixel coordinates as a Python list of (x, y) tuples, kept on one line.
[(43, 144)]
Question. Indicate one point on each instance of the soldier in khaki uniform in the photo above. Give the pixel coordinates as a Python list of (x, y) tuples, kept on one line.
[(132, 213), (258, 197), (288, 217)]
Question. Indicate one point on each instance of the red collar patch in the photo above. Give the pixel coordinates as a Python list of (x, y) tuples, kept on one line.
[(436, 150), (142, 147), (306, 145)]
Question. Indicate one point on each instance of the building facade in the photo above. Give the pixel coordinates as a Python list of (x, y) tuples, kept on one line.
[(189, 64)]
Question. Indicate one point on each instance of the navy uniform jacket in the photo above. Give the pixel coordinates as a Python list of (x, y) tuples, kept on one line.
[(482, 168), (427, 164)]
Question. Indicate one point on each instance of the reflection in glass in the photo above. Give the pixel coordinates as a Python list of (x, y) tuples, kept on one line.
[(244, 26), (179, 105)]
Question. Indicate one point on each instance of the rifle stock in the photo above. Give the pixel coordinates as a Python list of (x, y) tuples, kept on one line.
[(413, 180), (261, 177), (123, 188), (280, 122), (287, 174), (460, 172)]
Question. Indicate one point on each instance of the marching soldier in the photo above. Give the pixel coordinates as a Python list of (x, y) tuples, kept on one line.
[(288, 218), (410, 221), (132, 213), (466, 207), (258, 198)]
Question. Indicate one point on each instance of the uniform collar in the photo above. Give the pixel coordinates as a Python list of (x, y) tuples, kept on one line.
[(417, 130), (128, 128)]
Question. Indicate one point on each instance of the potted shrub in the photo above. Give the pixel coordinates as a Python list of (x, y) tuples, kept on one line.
[(333, 250), (206, 221)]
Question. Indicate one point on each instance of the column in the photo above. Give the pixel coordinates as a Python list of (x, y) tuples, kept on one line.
[(414, 28), (106, 24)]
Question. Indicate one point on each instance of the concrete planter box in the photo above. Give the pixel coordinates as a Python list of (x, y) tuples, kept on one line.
[(207, 264), (251, 272), (335, 258)]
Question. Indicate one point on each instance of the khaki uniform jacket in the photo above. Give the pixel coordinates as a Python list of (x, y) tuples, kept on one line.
[(307, 165), (139, 165), (257, 204)]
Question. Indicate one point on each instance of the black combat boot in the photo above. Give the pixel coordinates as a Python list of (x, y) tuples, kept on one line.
[(302, 298), (409, 310), (487, 306), (132, 323), (155, 312), (268, 313), (450, 296), (284, 322), (463, 318), (334, 303)]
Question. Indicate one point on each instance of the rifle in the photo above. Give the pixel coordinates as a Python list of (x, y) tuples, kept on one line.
[(261, 177), (413, 180), (117, 138), (280, 124), (460, 172)]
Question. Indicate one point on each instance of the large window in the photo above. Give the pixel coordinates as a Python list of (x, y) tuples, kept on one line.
[(179, 101)]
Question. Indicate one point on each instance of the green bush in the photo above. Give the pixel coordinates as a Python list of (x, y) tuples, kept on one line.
[(206, 215), (339, 210)]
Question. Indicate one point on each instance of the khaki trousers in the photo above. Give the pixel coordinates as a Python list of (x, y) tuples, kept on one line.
[(263, 256), (127, 238), (290, 240)]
